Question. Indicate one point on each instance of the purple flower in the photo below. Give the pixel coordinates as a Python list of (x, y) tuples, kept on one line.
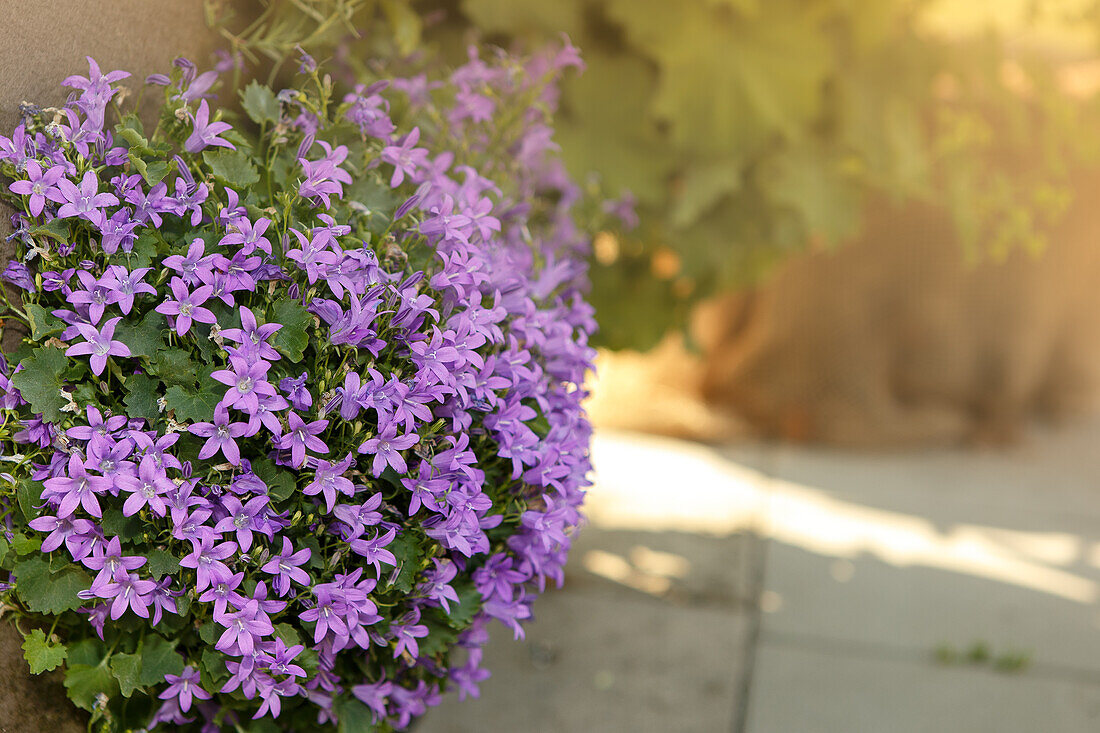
[(206, 133), (187, 306), (126, 285), (206, 559), (295, 390), (326, 614), (100, 344), (220, 435), (386, 448), (323, 178), (19, 275), (437, 588), (329, 479), (247, 235), (95, 294), (183, 687), (84, 201), (406, 633), (247, 382), (301, 436), (253, 337), (147, 488), (405, 157), (374, 695), (284, 567), (193, 267), (37, 185), (128, 591), (243, 519), (68, 531), (244, 628), (224, 593)]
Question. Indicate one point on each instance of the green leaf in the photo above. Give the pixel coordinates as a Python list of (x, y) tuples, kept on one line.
[(40, 381), (133, 137), (87, 651), (517, 18), (126, 668), (407, 551), (55, 229), (354, 716), (259, 103), (405, 23), (175, 367), (158, 658), (469, 603), (813, 183), (143, 253), (291, 339), (42, 654), (439, 639), (29, 495), (24, 545), (161, 563), (125, 528), (84, 683), (701, 187), (717, 101), (232, 166), (47, 592), (209, 632), (143, 338), (43, 323), (212, 666), (141, 397), (192, 406)]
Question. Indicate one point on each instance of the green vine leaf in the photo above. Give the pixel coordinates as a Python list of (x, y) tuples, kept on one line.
[(43, 323), (40, 381), (233, 167), (42, 654), (141, 397), (259, 103), (84, 683), (192, 406), (291, 339)]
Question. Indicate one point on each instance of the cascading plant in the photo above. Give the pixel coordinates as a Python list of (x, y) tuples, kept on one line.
[(298, 408)]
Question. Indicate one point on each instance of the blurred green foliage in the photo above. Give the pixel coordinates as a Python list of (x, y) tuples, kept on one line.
[(749, 130)]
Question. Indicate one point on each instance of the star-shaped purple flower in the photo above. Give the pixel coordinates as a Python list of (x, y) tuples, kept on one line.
[(252, 337), (38, 185), (205, 132), (300, 436), (220, 435), (187, 306), (84, 201), (100, 344)]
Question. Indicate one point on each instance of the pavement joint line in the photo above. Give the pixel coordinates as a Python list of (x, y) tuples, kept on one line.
[(758, 536), (877, 651)]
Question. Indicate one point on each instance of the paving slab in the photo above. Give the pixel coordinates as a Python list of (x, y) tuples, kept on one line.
[(803, 690), (652, 628), (601, 663), (941, 547)]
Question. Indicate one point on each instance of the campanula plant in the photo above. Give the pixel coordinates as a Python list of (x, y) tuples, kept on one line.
[(298, 408)]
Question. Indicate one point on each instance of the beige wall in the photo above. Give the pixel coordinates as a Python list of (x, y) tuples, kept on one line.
[(45, 41)]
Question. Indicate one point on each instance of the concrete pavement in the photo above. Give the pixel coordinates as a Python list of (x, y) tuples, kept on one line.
[(775, 589)]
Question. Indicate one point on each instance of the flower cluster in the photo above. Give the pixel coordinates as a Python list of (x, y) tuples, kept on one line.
[(298, 411)]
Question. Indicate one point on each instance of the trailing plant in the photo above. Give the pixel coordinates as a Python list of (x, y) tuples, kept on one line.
[(298, 409)]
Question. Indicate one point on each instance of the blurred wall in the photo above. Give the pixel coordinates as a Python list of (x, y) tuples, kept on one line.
[(896, 339)]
